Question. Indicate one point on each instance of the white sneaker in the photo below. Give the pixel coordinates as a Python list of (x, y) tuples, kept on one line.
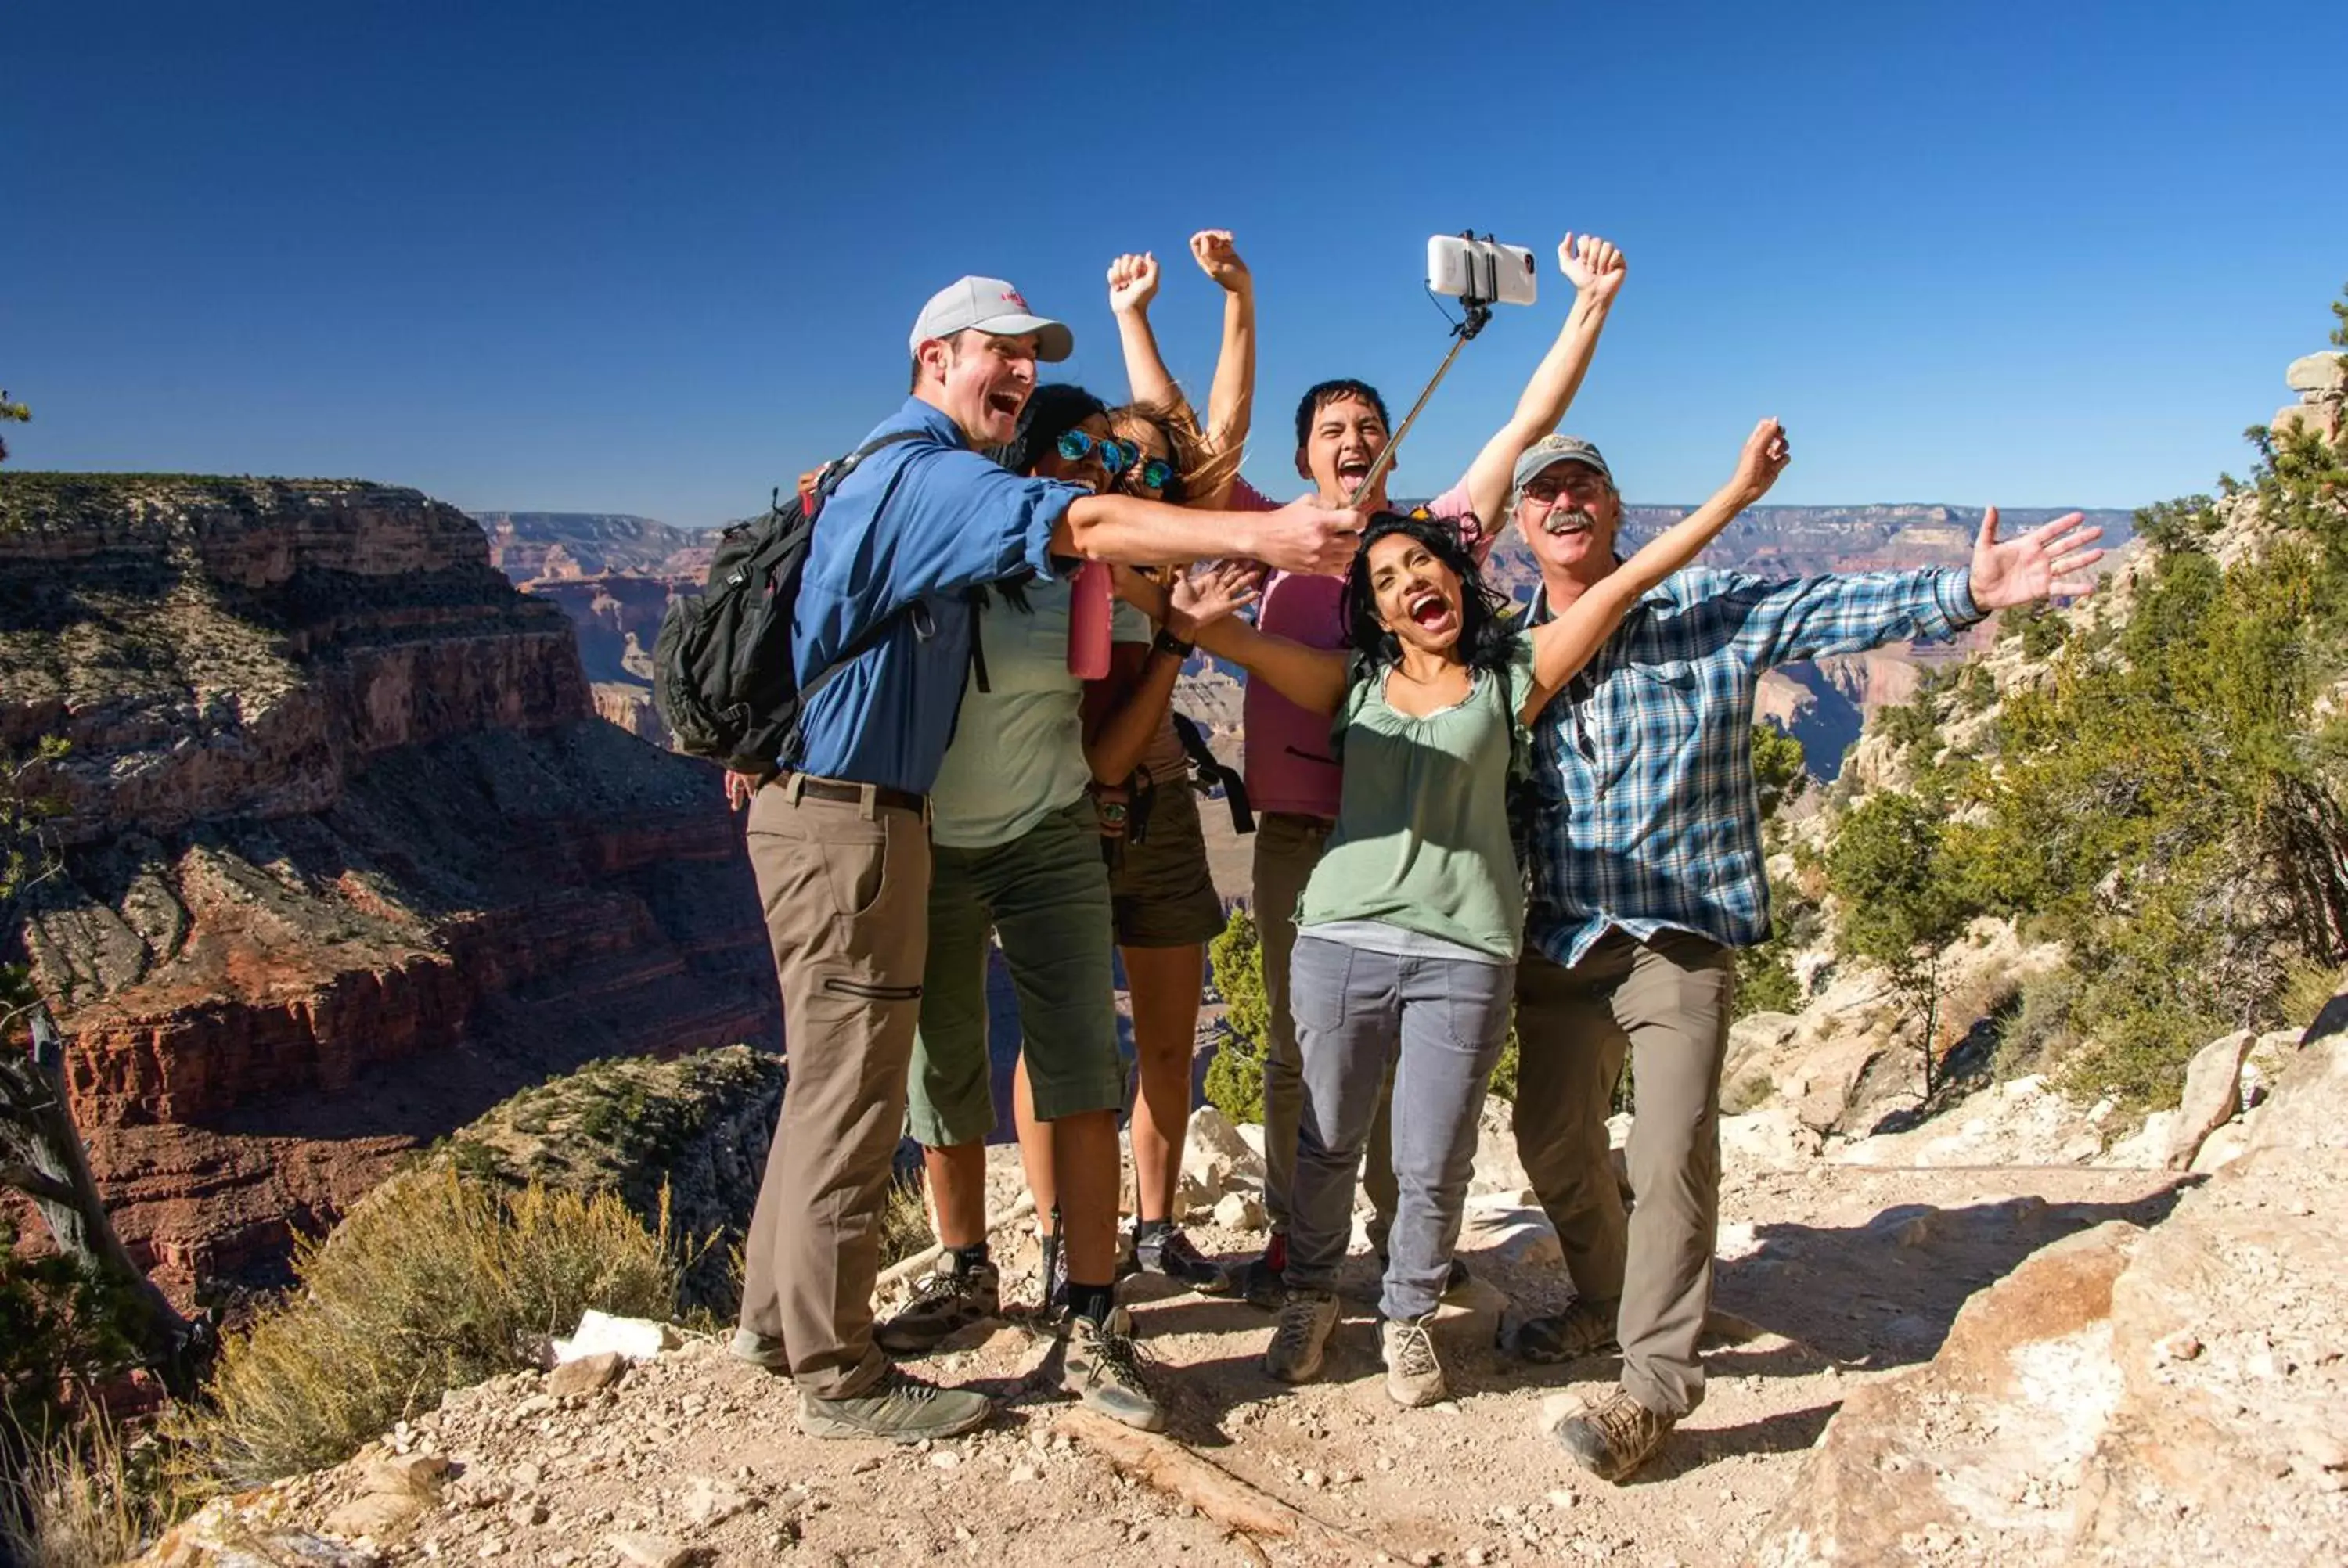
[(1414, 1376), (1306, 1316)]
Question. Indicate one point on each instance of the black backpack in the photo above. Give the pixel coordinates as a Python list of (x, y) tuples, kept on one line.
[(722, 677)]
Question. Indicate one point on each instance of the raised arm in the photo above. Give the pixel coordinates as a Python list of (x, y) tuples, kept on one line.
[(1132, 284), (1230, 400), (1311, 678), (1563, 646), (1596, 269)]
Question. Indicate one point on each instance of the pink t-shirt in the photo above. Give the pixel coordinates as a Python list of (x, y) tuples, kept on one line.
[(1289, 767)]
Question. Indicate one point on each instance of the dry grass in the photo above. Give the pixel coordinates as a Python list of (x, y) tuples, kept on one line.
[(80, 1502), (430, 1285), (905, 1226)]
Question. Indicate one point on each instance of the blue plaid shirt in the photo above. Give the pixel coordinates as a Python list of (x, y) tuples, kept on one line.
[(1647, 816)]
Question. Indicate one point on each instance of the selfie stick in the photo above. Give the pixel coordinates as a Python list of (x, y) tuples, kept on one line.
[(1479, 300)]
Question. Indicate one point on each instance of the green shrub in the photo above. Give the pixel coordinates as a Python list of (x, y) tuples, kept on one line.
[(429, 1285), (1235, 1077)]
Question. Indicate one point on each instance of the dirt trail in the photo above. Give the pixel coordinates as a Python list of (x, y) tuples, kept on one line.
[(1828, 1274)]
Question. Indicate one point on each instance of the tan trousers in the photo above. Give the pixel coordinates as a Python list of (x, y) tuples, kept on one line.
[(1666, 1002), (846, 889), (1287, 848)]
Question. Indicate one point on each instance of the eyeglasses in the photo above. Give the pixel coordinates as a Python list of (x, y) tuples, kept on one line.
[(1115, 455), (1546, 492)]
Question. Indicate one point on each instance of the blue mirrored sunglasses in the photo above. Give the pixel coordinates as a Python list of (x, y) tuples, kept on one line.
[(1115, 455)]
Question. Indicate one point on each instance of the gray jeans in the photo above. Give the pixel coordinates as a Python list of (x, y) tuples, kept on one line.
[(1439, 1024), (1287, 848)]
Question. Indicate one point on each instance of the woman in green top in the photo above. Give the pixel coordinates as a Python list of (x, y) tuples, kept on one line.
[(1409, 928)]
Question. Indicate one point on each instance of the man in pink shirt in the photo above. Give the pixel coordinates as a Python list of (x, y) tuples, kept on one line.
[(1291, 780)]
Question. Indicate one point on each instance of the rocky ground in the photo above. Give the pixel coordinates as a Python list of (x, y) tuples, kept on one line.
[(1831, 1277)]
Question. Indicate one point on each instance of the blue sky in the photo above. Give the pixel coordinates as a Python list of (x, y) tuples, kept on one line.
[(658, 260)]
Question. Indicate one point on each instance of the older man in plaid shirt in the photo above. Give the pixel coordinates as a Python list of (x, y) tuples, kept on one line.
[(1646, 874)]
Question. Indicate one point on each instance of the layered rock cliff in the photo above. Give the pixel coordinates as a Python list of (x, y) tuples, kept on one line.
[(348, 856)]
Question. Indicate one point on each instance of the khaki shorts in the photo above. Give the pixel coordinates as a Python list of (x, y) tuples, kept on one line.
[(1161, 888), (1045, 895)]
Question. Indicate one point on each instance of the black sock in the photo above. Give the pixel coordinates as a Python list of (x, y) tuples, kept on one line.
[(1151, 1230), (1093, 1301), (969, 1257)]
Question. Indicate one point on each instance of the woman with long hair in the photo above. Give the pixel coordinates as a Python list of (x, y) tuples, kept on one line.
[(1409, 928)]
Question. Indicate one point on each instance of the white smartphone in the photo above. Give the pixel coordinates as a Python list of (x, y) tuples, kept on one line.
[(1481, 270)]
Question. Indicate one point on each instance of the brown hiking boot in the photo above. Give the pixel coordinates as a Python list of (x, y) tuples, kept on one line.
[(1614, 1436)]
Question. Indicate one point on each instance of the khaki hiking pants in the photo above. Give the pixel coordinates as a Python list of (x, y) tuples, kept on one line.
[(1287, 848), (1665, 1002), (845, 887)]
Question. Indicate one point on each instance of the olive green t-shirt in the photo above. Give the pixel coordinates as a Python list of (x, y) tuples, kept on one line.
[(1018, 751), (1422, 837)]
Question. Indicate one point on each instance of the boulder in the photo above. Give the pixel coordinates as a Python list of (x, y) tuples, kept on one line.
[(420, 1476), (1497, 1167), (1239, 1212), (634, 1338), (2222, 1148), (2176, 1395), (586, 1374), (2213, 1092), (2318, 372), (2264, 1065), (1215, 1159), (2147, 1149), (1771, 1136), (376, 1515), (1969, 1457), (224, 1534)]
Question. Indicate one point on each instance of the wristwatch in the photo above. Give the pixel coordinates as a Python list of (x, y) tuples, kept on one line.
[(1167, 642)]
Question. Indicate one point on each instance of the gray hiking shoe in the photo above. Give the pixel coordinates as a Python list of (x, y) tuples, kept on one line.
[(1104, 1368), (762, 1350), (1306, 1317), (1165, 1250), (951, 1298), (1583, 1329), (899, 1409), (1614, 1437), (1414, 1376)]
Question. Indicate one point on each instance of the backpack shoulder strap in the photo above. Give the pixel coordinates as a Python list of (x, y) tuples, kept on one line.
[(828, 477)]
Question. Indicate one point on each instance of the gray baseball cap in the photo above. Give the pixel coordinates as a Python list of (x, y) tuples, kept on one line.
[(1546, 453), (991, 305)]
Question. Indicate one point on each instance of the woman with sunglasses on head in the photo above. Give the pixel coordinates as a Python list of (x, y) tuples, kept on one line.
[(1016, 851), (1409, 928), (1166, 905)]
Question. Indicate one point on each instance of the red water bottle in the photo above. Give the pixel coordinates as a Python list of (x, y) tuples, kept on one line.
[(1088, 618)]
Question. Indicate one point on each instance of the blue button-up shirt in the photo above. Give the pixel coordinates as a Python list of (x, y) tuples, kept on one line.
[(1648, 816), (952, 519)]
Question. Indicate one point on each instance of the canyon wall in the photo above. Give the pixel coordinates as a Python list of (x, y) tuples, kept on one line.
[(346, 856)]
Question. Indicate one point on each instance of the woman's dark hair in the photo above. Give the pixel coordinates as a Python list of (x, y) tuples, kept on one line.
[(1053, 410), (1486, 631)]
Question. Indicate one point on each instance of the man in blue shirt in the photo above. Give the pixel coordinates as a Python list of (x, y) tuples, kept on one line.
[(1646, 869), (838, 837)]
